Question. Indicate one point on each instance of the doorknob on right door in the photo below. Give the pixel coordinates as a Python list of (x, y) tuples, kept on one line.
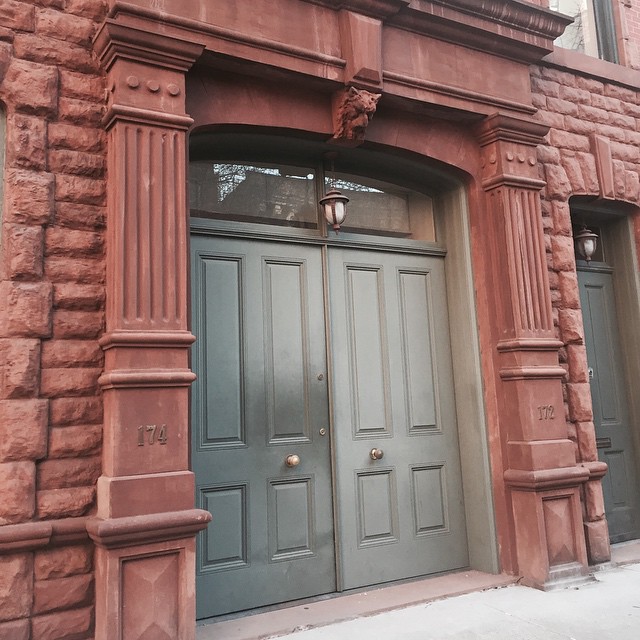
[(376, 454)]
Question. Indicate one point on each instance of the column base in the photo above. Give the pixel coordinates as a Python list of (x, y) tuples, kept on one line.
[(570, 575)]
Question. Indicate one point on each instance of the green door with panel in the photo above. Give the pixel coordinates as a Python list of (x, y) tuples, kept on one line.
[(259, 315), (610, 404)]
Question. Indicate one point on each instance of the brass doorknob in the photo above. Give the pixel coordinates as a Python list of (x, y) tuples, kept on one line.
[(376, 454), (292, 460)]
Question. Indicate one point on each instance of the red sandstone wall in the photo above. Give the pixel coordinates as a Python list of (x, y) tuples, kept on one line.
[(51, 305), (575, 107)]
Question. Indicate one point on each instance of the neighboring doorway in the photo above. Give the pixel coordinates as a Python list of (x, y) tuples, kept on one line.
[(325, 441), (611, 412)]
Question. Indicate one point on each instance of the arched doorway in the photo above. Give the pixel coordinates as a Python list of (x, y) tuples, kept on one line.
[(325, 435)]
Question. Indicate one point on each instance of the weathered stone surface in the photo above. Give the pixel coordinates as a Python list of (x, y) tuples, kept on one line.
[(18, 482), (63, 625), (67, 382), (558, 185), (51, 51), (68, 136), (597, 536), (75, 243), (561, 216), (589, 172), (61, 562), (66, 442), (80, 190), (29, 197), (81, 270), (71, 353), (632, 186), (80, 216), (574, 174), (26, 142), (19, 368), (78, 297), (27, 309), (62, 593), (586, 437), (563, 253), (23, 248), (65, 503), (81, 85), (63, 26), (77, 324), (78, 111), (571, 327), (565, 140), (16, 587), (75, 411), (16, 630), (17, 15), (88, 8), (579, 396), (577, 359), (78, 163), (23, 429), (39, 95), (68, 472), (568, 285), (593, 500)]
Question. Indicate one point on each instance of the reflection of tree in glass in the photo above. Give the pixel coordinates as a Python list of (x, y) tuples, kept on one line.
[(573, 36), (229, 176)]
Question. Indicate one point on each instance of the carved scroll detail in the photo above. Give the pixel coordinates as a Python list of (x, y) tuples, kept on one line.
[(353, 110)]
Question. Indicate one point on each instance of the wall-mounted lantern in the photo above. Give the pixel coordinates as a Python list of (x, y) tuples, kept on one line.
[(585, 242), (334, 206)]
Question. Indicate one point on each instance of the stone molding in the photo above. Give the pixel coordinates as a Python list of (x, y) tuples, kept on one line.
[(30, 536)]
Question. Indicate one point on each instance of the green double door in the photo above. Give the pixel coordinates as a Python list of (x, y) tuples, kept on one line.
[(324, 433)]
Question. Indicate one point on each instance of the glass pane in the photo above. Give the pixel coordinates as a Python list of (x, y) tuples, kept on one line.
[(268, 193), (382, 208), (581, 34)]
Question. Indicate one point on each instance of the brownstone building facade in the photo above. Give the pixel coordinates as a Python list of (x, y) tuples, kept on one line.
[(104, 451)]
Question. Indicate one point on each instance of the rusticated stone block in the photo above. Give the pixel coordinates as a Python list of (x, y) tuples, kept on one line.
[(67, 442), (19, 368), (81, 85), (23, 429), (23, 249), (79, 163), (71, 242), (577, 359), (18, 482), (586, 436), (563, 253), (561, 215), (75, 411), (68, 136), (68, 472), (82, 112), (17, 15), (61, 562), (568, 285), (570, 141), (589, 172), (63, 26), (632, 186), (75, 623), (558, 185), (80, 216), (29, 197), (597, 537), (548, 155), (66, 382), (27, 309), (26, 142), (77, 324), (71, 353), (39, 95), (63, 593), (78, 297), (51, 51), (88, 8), (81, 270), (65, 503), (579, 396), (593, 500), (16, 586), (80, 190), (619, 178), (16, 630), (574, 174)]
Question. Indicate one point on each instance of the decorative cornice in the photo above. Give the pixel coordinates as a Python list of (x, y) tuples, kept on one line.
[(144, 339), (381, 9), (146, 378), (134, 530), (503, 128), (545, 479), (597, 469), (530, 344), (532, 373)]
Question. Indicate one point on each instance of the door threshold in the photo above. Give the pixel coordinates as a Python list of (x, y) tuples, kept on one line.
[(318, 612)]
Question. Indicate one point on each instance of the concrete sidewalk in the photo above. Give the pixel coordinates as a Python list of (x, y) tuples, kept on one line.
[(493, 607)]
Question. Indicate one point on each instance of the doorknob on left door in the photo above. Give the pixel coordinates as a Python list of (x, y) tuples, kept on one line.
[(376, 454), (292, 460)]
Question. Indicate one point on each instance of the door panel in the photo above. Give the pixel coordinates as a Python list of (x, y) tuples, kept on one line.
[(393, 391), (610, 409), (258, 314)]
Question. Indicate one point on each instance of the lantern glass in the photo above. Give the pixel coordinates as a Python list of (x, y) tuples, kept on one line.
[(334, 205), (586, 243)]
